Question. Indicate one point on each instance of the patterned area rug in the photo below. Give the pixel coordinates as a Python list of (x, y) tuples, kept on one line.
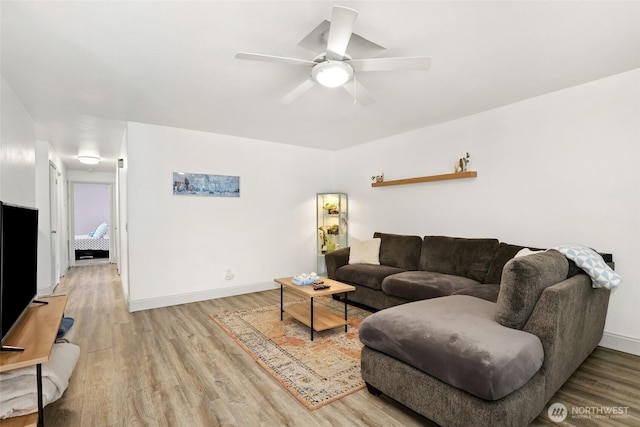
[(316, 373)]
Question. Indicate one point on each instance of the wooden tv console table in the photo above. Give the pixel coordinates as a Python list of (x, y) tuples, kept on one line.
[(36, 333)]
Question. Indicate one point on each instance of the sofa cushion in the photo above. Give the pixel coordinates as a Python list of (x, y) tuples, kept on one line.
[(419, 285), (456, 340), (523, 281), (365, 251), (458, 256), (486, 291), (400, 251), (504, 253), (367, 275)]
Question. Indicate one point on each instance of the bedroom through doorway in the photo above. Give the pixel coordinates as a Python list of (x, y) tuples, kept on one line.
[(91, 225)]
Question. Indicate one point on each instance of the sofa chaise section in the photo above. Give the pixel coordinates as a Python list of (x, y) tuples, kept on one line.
[(450, 377), (457, 340)]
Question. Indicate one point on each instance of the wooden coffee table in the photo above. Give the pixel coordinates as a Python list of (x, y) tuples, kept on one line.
[(317, 319)]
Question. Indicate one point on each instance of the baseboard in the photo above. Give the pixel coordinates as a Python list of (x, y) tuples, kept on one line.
[(150, 303), (621, 343)]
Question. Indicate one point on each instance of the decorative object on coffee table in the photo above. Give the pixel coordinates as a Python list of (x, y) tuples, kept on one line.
[(315, 372)]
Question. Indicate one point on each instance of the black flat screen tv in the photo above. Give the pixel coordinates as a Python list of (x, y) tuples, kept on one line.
[(18, 263)]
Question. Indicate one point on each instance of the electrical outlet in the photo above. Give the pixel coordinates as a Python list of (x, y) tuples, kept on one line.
[(229, 275)]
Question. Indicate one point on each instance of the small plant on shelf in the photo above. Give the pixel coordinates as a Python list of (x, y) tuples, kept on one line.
[(323, 236), (378, 178), (328, 243), (463, 162), (330, 229), (331, 208)]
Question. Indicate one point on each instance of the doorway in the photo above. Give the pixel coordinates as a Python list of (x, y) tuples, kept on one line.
[(91, 223)]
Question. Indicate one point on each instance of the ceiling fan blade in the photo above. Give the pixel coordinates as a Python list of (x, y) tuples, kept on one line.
[(298, 91), (361, 95), (316, 42), (363, 48), (391, 64), (342, 20), (274, 59)]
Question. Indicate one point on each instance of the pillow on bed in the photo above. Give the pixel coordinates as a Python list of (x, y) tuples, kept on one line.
[(101, 231), (92, 232)]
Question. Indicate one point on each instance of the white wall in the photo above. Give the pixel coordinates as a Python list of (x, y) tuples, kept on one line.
[(181, 246), (560, 168), (17, 150), (95, 177), (91, 206), (18, 172), (24, 178)]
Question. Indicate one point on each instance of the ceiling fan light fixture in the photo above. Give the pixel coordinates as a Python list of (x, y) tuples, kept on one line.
[(89, 160), (332, 73)]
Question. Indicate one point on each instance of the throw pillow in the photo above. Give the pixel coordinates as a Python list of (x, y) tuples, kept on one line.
[(525, 252), (365, 251), (101, 231), (602, 276)]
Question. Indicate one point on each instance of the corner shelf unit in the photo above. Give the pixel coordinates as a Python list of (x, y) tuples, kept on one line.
[(431, 178), (331, 226)]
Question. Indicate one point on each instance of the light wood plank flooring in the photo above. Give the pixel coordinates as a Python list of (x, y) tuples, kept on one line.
[(174, 367)]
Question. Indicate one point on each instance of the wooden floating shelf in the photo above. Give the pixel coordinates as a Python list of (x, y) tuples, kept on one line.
[(431, 178)]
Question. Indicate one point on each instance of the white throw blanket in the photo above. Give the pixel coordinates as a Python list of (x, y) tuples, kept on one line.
[(591, 262), (18, 389)]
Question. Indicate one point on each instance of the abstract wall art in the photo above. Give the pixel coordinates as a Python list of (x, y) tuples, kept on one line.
[(205, 185)]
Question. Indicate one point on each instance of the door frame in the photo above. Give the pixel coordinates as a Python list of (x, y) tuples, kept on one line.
[(54, 223), (110, 219)]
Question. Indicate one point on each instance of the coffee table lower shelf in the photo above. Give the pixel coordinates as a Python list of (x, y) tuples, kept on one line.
[(322, 319)]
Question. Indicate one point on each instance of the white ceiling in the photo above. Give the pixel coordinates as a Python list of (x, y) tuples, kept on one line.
[(84, 68)]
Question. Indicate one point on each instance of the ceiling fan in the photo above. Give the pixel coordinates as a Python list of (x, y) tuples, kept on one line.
[(333, 67)]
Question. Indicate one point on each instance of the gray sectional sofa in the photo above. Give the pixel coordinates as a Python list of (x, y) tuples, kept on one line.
[(412, 268), (466, 333)]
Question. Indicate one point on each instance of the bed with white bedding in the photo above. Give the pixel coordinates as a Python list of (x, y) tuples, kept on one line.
[(84, 242), (93, 245)]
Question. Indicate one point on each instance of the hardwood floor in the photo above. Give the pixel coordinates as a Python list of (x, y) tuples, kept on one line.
[(174, 367)]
